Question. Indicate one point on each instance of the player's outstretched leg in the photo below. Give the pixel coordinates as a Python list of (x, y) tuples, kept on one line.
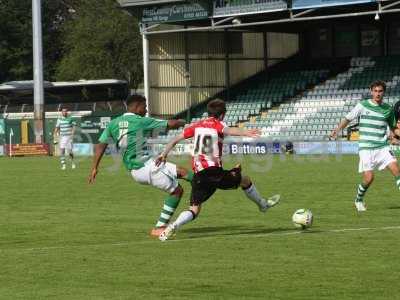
[(171, 202), (170, 205), (184, 218), (368, 178), (251, 192)]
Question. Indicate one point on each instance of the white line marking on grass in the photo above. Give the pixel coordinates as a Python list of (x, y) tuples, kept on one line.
[(200, 238), (247, 235)]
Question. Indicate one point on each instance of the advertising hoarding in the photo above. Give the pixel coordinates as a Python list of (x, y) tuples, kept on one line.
[(224, 8), (303, 4)]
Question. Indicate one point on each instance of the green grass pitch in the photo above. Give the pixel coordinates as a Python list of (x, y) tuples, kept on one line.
[(63, 239)]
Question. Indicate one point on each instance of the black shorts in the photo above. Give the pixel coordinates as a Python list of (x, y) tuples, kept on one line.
[(206, 182)]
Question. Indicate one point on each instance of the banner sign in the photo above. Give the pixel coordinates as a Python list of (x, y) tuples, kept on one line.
[(224, 8), (193, 10), (235, 146), (303, 4), (127, 3), (254, 148), (27, 149), (1, 150), (261, 147), (179, 149), (325, 147), (90, 129), (80, 149)]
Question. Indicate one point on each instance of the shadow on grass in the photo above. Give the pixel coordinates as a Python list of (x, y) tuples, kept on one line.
[(394, 207), (202, 232)]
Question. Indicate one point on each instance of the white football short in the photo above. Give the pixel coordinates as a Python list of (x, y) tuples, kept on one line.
[(66, 142), (375, 159), (164, 177)]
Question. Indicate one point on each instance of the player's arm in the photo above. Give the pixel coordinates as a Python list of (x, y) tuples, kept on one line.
[(233, 131), (160, 125), (394, 135), (174, 124), (57, 128), (396, 131), (393, 125), (100, 148), (343, 124), (73, 128), (163, 156), (153, 123), (352, 115), (56, 132), (98, 155), (393, 138)]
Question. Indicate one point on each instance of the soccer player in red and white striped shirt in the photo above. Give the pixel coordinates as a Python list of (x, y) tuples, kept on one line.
[(209, 175)]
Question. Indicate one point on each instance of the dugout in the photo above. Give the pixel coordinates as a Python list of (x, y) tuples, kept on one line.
[(92, 103), (194, 50)]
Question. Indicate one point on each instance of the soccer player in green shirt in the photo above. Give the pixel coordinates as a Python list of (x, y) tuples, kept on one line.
[(65, 129), (130, 132), (376, 126)]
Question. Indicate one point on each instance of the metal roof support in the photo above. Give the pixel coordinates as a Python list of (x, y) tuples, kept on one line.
[(220, 21), (383, 7), (303, 13), (287, 20), (146, 65), (144, 28)]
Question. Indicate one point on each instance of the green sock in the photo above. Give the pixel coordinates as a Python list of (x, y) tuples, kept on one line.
[(361, 190), (397, 178), (189, 176), (170, 205)]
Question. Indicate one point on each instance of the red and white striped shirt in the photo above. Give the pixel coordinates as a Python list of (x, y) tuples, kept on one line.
[(208, 138)]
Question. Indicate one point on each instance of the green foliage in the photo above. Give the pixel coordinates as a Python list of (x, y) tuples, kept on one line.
[(81, 39), (16, 55), (15, 40), (63, 239), (101, 41)]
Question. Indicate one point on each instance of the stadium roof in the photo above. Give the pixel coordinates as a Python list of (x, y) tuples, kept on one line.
[(29, 84), (288, 19)]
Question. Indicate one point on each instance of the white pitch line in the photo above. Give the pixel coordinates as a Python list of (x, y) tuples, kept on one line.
[(243, 235)]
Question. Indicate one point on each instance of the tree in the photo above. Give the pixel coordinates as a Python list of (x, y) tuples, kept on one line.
[(15, 40), (16, 53), (101, 41)]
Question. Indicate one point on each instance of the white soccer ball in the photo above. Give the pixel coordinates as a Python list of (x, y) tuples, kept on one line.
[(302, 218)]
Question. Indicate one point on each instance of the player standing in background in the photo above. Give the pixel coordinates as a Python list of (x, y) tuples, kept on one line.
[(374, 151), (209, 175), (130, 132), (65, 129)]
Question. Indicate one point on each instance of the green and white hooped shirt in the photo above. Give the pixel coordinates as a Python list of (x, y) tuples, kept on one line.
[(65, 124), (375, 121)]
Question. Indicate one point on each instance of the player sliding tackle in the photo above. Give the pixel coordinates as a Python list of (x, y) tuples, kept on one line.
[(375, 119), (209, 175), (130, 132)]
